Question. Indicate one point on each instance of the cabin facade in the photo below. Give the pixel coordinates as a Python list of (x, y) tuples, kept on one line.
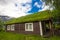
[(37, 27)]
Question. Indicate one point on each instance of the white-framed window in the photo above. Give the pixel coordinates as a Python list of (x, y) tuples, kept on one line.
[(12, 27), (28, 26), (8, 27)]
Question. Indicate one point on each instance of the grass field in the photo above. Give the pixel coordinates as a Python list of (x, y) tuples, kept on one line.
[(15, 36)]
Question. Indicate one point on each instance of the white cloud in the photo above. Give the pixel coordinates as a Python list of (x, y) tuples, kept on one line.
[(5, 2), (11, 10), (45, 7), (23, 1), (7, 7), (36, 4)]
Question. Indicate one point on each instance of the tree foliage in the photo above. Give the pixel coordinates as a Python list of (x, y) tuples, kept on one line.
[(56, 11), (55, 4), (1, 24)]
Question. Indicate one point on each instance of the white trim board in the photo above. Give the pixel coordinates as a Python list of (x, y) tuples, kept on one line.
[(41, 32)]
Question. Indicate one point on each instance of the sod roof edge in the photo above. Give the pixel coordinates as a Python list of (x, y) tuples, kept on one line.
[(39, 16)]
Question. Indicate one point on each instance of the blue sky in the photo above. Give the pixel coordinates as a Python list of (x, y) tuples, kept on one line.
[(34, 8), (18, 8)]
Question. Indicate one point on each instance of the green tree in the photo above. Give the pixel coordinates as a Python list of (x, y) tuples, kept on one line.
[(55, 4), (51, 3), (1, 25)]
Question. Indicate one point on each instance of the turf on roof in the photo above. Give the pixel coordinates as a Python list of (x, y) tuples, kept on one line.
[(39, 16)]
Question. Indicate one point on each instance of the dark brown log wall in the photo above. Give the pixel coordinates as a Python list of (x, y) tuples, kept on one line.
[(20, 28)]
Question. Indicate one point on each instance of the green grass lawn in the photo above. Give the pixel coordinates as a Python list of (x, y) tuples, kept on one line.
[(15, 36)]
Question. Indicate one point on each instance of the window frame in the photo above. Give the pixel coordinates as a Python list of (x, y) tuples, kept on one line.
[(28, 27), (12, 27), (8, 27)]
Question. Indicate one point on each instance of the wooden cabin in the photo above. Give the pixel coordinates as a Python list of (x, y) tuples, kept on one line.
[(39, 24)]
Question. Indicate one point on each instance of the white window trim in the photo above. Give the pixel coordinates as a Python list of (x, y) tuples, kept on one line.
[(28, 27), (8, 27), (41, 31), (13, 27)]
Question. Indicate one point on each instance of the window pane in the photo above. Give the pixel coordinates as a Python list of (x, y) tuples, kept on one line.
[(26, 26), (12, 27), (8, 27), (30, 26)]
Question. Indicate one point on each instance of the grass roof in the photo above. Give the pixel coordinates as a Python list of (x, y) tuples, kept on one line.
[(39, 16)]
